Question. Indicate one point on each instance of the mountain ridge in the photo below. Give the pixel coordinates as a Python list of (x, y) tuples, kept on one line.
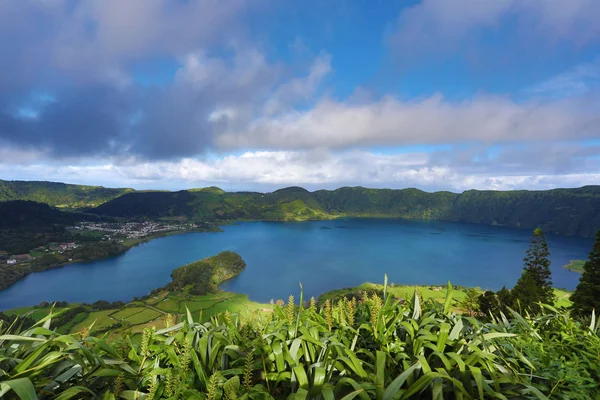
[(568, 211)]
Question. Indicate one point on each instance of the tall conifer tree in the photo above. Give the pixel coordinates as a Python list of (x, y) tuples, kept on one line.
[(535, 283), (587, 295)]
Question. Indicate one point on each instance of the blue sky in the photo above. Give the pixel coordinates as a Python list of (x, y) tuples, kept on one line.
[(435, 94)]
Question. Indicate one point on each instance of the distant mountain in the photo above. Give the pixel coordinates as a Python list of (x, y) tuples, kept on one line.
[(58, 194), (566, 211)]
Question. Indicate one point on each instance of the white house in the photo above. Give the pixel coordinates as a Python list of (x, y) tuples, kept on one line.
[(11, 261)]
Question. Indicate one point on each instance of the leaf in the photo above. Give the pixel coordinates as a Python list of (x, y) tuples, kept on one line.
[(18, 338), (301, 394), (416, 306), (448, 301), (394, 387), (319, 374), (379, 374), (22, 387), (190, 320), (72, 392), (496, 335), (133, 395), (108, 396), (420, 384), (385, 285), (352, 395), (478, 377), (443, 336), (301, 377)]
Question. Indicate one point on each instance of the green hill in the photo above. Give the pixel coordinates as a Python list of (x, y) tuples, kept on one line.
[(29, 214), (573, 212), (58, 194)]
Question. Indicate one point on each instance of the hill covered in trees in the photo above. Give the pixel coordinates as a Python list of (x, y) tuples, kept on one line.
[(58, 194), (25, 225), (566, 211)]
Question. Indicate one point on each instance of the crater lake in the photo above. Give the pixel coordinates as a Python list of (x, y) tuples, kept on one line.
[(322, 255)]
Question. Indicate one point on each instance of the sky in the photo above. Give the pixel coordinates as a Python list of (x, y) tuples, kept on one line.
[(262, 94)]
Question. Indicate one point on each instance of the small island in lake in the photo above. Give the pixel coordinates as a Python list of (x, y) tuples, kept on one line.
[(575, 266)]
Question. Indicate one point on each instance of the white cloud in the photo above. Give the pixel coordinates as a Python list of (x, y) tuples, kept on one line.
[(389, 121), (578, 81), (267, 170), (85, 39), (444, 25)]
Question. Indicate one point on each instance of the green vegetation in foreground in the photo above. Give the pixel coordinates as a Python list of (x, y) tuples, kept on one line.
[(369, 348), (575, 266)]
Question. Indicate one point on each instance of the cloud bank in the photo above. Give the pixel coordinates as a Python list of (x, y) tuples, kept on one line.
[(229, 110)]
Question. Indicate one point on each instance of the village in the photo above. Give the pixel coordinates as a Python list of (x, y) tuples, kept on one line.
[(129, 230), (98, 232)]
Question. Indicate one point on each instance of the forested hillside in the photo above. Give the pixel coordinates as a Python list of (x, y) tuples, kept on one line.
[(21, 214), (25, 225), (58, 194), (566, 211)]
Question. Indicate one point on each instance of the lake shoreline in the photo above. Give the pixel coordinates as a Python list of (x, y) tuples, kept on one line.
[(125, 247), (271, 248)]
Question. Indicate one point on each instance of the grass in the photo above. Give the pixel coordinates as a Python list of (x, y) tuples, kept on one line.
[(127, 312), (19, 311), (102, 321), (144, 316), (575, 266), (562, 298), (68, 327)]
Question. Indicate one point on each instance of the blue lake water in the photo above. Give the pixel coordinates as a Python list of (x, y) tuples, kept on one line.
[(323, 255)]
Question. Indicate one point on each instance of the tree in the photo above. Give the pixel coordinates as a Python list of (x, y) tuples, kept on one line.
[(535, 283), (470, 303), (505, 299), (587, 294), (488, 303)]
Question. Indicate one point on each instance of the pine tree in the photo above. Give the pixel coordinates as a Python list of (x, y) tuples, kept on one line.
[(587, 294), (535, 284)]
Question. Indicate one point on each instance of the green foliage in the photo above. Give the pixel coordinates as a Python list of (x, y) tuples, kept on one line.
[(390, 351), (587, 294), (206, 275), (535, 284), (470, 304), (58, 194), (565, 211), (495, 303)]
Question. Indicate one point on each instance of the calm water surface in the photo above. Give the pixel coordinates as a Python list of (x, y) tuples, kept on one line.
[(323, 255)]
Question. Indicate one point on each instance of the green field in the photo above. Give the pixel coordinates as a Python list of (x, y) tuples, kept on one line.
[(98, 320), (127, 312), (150, 313), (144, 316)]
